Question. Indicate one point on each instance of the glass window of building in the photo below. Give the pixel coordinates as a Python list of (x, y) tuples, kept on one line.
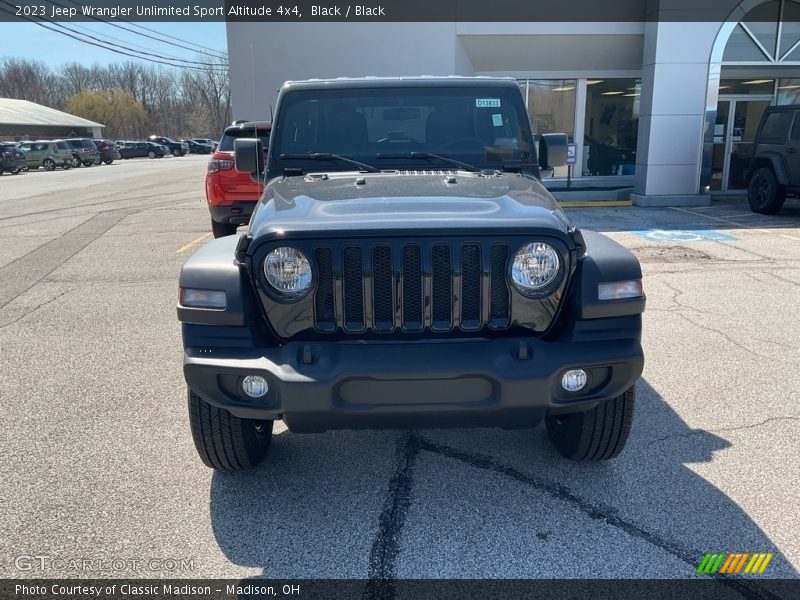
[(551, 107), (757, 85), (611, 126), (788, 91)]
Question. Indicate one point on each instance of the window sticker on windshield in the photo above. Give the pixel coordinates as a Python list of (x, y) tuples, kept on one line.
[(497, 120), (487, 102)]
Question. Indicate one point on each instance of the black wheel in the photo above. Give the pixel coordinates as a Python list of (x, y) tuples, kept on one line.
[(76, 161), (16, 171), (176, 153), (597, 434), (764, 193), (225, 442), (49, 164), (222, 229), (67, 165), (151, 154), (88, 163), (108, 161)]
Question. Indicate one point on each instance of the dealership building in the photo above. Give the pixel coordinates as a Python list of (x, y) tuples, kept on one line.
[(662, 111)]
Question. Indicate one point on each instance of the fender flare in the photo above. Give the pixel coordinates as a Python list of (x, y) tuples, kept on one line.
[(214, 267), (775, 160)]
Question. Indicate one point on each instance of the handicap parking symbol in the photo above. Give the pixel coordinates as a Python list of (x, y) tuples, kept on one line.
[(684, 235)]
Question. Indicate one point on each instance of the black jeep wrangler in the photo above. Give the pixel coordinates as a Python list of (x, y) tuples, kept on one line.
[(774, 168), (406, 268)]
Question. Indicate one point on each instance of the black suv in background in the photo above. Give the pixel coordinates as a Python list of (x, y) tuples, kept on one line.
[(774, 168), (11, 158), (84, 152), (176, 148), (197, 147), (108, 151)]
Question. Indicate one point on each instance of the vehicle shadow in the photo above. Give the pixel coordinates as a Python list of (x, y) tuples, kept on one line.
[(436, 503)]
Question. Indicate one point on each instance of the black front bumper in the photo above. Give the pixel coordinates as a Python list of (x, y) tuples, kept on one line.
[(508, 383), (237, 213)]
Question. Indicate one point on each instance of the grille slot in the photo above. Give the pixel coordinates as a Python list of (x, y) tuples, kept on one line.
[(353, 275), (442, 287), (471, 287), (412, 288), (388, 286), (382, 296), (323, 299), (498, 302)]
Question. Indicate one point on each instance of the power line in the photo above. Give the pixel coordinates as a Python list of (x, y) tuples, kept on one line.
[(161, 56), (104, 47), (169, 38)]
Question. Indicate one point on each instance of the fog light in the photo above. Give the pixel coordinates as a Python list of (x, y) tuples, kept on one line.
[(255, 386), (574, 380)]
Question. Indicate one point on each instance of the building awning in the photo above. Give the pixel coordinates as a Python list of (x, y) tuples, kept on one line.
[(22, 112)]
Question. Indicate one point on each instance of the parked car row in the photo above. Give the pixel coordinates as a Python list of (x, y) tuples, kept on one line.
[(16, 157), (51, 154)]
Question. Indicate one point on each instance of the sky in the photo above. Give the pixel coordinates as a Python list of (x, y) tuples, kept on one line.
[(28, 40)]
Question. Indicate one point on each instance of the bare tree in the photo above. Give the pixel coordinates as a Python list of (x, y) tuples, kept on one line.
[(211, 87), (190, 102)]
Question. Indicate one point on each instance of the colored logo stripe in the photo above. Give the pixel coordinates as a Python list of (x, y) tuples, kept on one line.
[(734, 562), (758, 563), (710, 563)]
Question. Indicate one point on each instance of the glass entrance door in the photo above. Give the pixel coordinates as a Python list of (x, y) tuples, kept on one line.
[(734, 137)]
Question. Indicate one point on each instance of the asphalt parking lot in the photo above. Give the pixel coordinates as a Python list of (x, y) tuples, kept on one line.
[(98, 462)]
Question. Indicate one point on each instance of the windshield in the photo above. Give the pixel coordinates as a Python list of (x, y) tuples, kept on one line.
[(390, 127)]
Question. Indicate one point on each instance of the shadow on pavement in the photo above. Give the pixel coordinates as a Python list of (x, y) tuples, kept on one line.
[(361, 504)]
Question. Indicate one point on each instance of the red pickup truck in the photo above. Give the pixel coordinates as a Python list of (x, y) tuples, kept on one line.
[(232, 195)]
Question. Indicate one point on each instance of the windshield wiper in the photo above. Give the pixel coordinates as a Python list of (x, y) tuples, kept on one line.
[(329, 156), (431, 156)]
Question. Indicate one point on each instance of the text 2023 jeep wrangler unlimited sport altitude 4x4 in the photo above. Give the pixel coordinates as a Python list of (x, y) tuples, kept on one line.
[(405, 267)]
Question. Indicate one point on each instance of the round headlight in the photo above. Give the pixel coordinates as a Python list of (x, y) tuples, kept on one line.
[(535, 267), (288, 271)]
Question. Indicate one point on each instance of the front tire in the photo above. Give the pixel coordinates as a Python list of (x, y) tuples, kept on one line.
[(49, 164), (225, 442), (765, 194), (151, 154), (108, 161), (596, 434), (176, 153)]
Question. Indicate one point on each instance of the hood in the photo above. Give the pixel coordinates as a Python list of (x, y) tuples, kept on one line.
[(406, 200)]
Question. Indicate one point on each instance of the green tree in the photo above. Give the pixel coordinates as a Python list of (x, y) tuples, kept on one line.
[(122, 115)]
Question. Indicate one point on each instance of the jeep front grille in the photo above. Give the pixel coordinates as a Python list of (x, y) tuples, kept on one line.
[(412, 287)]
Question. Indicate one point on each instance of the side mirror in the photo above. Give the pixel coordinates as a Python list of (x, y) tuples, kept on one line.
[(552, 150), (248, 155)]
